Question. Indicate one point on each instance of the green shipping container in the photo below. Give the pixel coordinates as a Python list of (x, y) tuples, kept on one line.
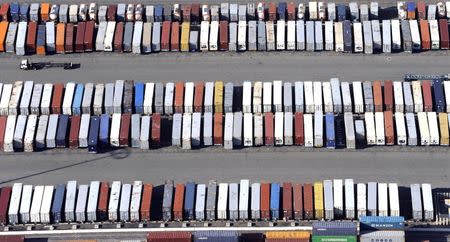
[(334, 239)]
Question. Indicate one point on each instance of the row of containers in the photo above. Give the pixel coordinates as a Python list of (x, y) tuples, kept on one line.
[(377, 206), (141, 97), (387, 36)]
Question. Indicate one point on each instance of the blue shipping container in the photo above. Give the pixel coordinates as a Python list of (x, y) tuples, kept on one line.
[(411, 6), (339, 131), (77, 99), (104, 130), (40, 41), (93, 134), (215, 236), (158, 13), (382, 223), (348, 37), (439, 99), (24, 12), (14, 11), (333, 228), (139, 97), (61, 133), (341, 12), (189, 201), (57, 206), (329, 123), (275, 201), (282, 11)]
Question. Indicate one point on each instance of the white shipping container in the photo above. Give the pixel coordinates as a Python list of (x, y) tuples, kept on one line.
[(36, 204), (288, 128), (233, 204), (177, 129), (339, 36), (168, 98), (137, 37), (26, 97), (207, 129), (196, 129), (25, 204), (287, 97), (247, 97), (361, 199), (279, 128), (135, 201), (300, 34), (144, 137), (423, 128), (100, 38), (46, 98), (412, 130), (427, 198), (36, 98), (291, 35), (244, 196), (328, 199), (228, 131), (278, 96), (349, 199), (84, 131), (318, 106), (30, 132), (108, 44), (338, 198), (19, 132), (417, 96), (91, 210), (327, 97), (255, 201), (281, 34), (124, 208), (372, 199), (200, 202), (209, 97), (346, 97), (318, 129), (9, 134), (148, 98), (70, 199), (299, 99), (186, 135), (213, 36), (248, 129), (267, 97), (396, 35), (115, 130), (386, 28), (4, 102), (242, 36), (394, 204), (415, 35), (204, 35), (358, 37), (329, 38), (118, 96), (13, 105), (379, 128), (87, 98), (358, 97), (433, 128), (68, 98), (447, 93), (51, 131), (222, 201), (80, 209), (434, 33), (398, 97), (400, 128), (188, 97), (258, 130), (113, 206), (318, 35), (46, 205), (14, 201), (257, 97), (308, 129), (370, 128), (21, 38), (416, 202), (270, 35), (382, 199), (98, 98)]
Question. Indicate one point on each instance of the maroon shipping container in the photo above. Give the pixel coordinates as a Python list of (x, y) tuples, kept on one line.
[(421, 10), (179, 97), (298, 127), (57, 98), (165, 36), (268, 129), (291, 11), (265, 201), (178, 202), (198, 96), (389, 128), (298, 201), (4, 12), (425, 34), (377, 96), (118, 37), (308, 204), (187, 13), (427, 96), (102, 208), (12, 238), (79, 39), (218, 128), (388, 96), (74, 131), (223, 35), (179, 236), (146, 202), (156, 130), (2, 131), (272, 12), (68, 46), (443, 32), (175, 38), (195, 13), (111, 12), (4, 202), (31, 38), (89, 36), (287, 200), (124, 129)]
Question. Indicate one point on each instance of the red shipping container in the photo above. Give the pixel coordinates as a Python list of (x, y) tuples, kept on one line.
[(291, 11), (388, 96), (308, 204), (179, 236), (175, 38), (165, 36), (298, 126), (4, 10), (5, 194), (2, 131), (74, 131), (425, 34), (377, 96), (389, 128), (57, 98), (223, 35), (421, 10), (31, 38), (272, 12), (79, 39), (287, 200), (68, 47), (12, 238), (146, 202), (443, 32), (268, 129), (156, 130), (118, 37), (427, 96), (265, 201), (178, 202), (102, 208), (218, 129), (89, 36), (124, 129), (187, 13), (111, 12), (179, 97), (298, 201), (198, 97)]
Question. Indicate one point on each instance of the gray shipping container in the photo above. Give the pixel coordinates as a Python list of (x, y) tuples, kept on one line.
[(156, 37), (118, 96), (349, 131), (346, 97), (145, 132), (318, 39), (159, 98), (300, 34), (384, 235), (209, 97), (167, 201), (412, 129), (232, 33), (128, 37), (386, 28), (368, 41), (193, 41), (109, 98), (408, 98), (207, 129), (233, 12), (11, 37), (406, 36), (135, 130), (34, 12), (288, 128), (416, 201), (137, 37), (36, 98), (252, 36), (242, 12), (310, 46), (376, 35), (200, 201), (299, 99), (261, 36), (102, 11), (287, 97), (233, 201), (368, 96), (328, 199), (237, 129), (98, 99), (255, 201), (51, 131), (372, 199), (19, 131), (336, 95), (211, 197), (364, 12), (63, 13), (228, 97), (87, 98), (168, 98), (176, 129), (41, 132), (360, 133)]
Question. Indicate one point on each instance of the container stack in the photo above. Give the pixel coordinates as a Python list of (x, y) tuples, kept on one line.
[(334, 231)]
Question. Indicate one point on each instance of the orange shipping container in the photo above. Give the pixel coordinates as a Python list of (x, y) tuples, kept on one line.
[(218, 128), (425, 34), (146, 202), (45, 9), (3, 31), (60, 37), (178, 202), (179, 97), (389, 127), (377, 96), (265, 201)]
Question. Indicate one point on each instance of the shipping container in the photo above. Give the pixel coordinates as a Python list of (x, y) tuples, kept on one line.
[(36, 203), (349, 131), (50, 139), (396, 36), (124, 134), (412, 131), (146, 202), (30, 131), (19, 132), (308, 130), (416, 202), (382, 199), (328, 199), (372, 198), (255, 212), (361, 200), (406, 36), (318, 35), (57, 205), (265, 201), (233, 203), (14, 201), (25, 204), (77, 100), (348, 38), (300, 34), (135, 201), (433, 128), (83, 134), (308, 201), (74, 131), (124, 207), (389, 128), (299, 135), (101, 36), (113, 205), (113, 36), (258, 130), (46, 204), (10, 41), (40, 132), (318, 201), (438, 95), (400, 128), (189, 201)]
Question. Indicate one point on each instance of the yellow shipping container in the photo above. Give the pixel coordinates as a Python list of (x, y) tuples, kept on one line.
[(318, 200), (218, 97), (443, 127), (185, 28), (288, 235)]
